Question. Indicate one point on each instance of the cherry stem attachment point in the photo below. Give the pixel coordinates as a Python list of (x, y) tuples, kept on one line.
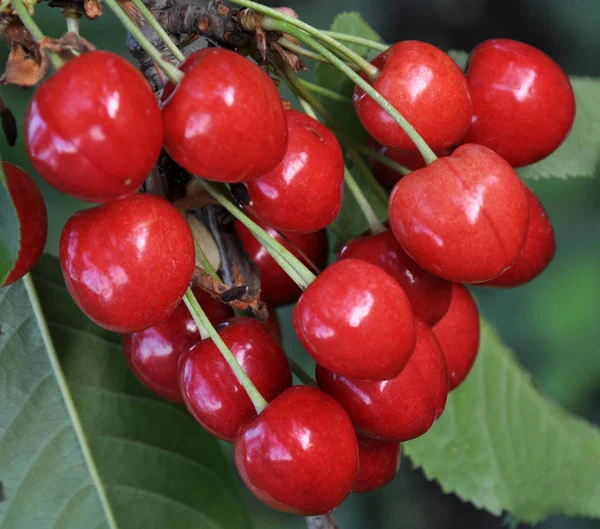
[(297, 271), (428, 155), (175, 75), (204, 324), (36, 32), (151, 19)]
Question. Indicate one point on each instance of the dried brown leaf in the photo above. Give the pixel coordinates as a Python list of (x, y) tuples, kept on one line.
[(24, 69)]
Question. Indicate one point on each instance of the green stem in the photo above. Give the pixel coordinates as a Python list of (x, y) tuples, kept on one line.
[(151, 19), (375, 225), (375, 155), (203, 322), (367, 43), (206, 264), (299, 50), (65, 392), (170, 71), (302, 375), (271, 25), (35, 31), (297, 271), (325, 92), (428, 155), (72, 22)]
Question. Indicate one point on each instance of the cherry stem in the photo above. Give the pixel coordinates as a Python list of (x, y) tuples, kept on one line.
[(206, 264), (367, 43), (302, 375), (297, 271), (174, 74), (375, 155), (72, 19), (299, 50), (151, 19), (428, 155), (204, 323), (325, 92), (269, 24), (309, 103), (35, 31)]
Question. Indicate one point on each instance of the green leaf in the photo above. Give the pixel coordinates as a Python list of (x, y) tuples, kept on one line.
[(579, 155), (504, 446), (94, 449), (10, 234), (330, 77)]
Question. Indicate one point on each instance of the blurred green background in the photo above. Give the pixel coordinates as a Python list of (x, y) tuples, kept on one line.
[(552, 324)]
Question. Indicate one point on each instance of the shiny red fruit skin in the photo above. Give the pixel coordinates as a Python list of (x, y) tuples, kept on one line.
[(210, 389), (538, 250), (458, 335), (153, 354), (304, 192), (300, 455), (429, 295), (93, 130), (399, 409), (33, 220), (378, 463), (427, 87), (224, 121), (355, 320), (463, 217), (128, 263), (276, 287), (523, 102)]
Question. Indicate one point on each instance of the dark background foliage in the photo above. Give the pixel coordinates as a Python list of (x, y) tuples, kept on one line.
[(551, 324)]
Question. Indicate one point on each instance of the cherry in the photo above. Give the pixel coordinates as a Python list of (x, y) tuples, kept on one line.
[(399, 409), (210, 389), (464, 217), (300, 454), (355, 320), (429, 295), (304, 192), (33, 220), (128, 263), (153, 354), (427, 87), (523, 102), (93, 129), (224, 121), (276, 287), (538, 250), (458, 335), (378, 463)]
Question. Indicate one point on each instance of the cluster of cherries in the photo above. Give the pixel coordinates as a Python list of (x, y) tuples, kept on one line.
[(390, 324)]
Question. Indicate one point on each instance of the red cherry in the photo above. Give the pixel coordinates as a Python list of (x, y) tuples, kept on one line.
[(458, 335), (276, 287), (464, 217), (153, 354), (304, 192), (523, 102), (273, 326), (378, 463), (399, 409), (429, 295), (427, 87), (211, 391), (128, 263), (300, 455), (93, 129), (224, 121), (538, 250), (355, 320), (33, 220)]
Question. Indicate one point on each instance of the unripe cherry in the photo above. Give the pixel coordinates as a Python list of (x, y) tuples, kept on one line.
[(458, 335), (427, 87), (300, 455), (356, 320), (224, 121), (33, 220), (399, 409), (464, 217)]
